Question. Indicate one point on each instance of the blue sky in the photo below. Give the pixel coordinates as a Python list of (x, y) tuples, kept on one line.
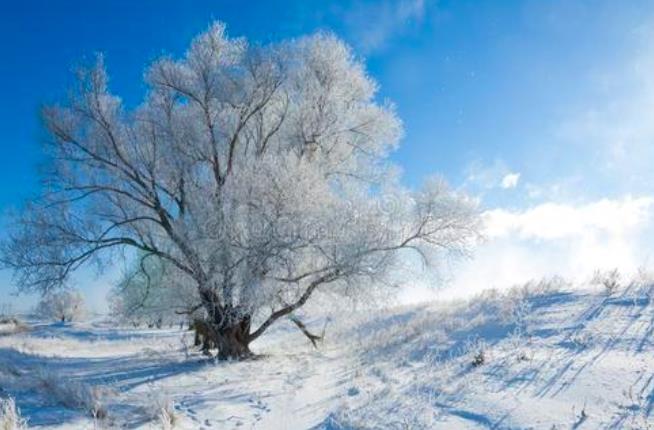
[(531, 105)]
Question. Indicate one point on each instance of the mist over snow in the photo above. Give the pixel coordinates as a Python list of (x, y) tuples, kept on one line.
[(557, 239)]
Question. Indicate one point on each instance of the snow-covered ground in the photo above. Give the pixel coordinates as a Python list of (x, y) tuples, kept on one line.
[(549, 356)]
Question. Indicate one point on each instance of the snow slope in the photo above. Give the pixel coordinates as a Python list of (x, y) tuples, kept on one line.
[(552, 359), (543, 357)]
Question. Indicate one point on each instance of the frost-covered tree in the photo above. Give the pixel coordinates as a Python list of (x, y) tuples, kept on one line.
[(151, 292), (259, 174), (64, 305)]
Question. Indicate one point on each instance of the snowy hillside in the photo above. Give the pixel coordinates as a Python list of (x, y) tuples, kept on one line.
[(544, 356)]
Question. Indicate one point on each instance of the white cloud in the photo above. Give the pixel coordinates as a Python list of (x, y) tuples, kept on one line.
[(372, 23), (549, 221), (558, 239), (482, 176), (510, 180)]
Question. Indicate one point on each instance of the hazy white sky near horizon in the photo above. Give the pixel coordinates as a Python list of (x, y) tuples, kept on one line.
[(541, 109)]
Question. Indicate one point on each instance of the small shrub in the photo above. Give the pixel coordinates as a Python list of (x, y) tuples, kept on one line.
[(637, 404), (581, 340), (479, 351), (159, 407), (519, 345), (76, 395), (167, 418), (479, 359), (10, 418), (579, 419), (543, 287), (11, 325), (609, 279)]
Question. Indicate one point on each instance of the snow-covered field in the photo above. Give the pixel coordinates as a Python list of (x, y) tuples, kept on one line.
[(548, 356)]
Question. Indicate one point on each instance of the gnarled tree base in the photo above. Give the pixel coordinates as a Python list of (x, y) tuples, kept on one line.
[(232, 342), (229, 350), (233, 339)]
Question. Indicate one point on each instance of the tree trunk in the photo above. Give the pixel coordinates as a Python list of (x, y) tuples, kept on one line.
[(233, 341), (229, 329)]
